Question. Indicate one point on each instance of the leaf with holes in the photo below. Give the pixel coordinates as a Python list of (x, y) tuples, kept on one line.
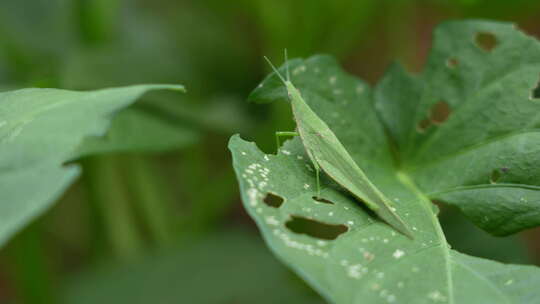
[(327, 153), (40, 130), (464, 132)]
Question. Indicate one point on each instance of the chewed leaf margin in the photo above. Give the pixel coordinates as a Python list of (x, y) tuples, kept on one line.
[(367, 263), (488, 124)]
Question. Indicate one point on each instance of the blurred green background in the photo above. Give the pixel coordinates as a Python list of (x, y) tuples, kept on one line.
[(163, 223)]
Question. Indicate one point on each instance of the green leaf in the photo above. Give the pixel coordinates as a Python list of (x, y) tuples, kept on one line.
[(134, 129), (39, 131), (482, 158), (510, 249), (490, 123), (326, 151), (234, 266)]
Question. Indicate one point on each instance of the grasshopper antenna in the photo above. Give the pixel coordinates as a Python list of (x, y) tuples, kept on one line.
[(275, 70), (286, 56)]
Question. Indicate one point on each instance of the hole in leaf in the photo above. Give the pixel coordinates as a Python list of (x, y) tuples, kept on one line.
[(439, 112), (486, 41), (535, 94), (423, 125), (437, 206), (273, 200), (495, 176), (452, 62), (322, 200), (302, 225)]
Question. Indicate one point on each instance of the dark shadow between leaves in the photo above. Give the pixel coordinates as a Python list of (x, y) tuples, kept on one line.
[(467, 238), (535, 93), (302, 225), (273, 200)]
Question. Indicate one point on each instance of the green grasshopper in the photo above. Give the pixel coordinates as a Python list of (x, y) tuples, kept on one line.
[(327, 153)]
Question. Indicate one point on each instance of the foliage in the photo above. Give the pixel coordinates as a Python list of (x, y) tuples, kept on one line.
[(464, 132), (40, 130), (160, 178), (183, 276)]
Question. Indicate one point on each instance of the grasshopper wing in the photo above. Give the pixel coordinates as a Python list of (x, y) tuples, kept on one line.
[(324, 148)]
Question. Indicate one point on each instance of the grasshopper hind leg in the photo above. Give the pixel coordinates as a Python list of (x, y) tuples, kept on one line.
[(317, 173)]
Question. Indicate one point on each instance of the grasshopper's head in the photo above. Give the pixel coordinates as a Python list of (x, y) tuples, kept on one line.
[(291, 90)]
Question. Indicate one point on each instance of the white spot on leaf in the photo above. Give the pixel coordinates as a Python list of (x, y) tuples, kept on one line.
[(299, 70), (398, 254), (436, 296), (271, 220), (369, 256), (310, 249), (252, 195), (332, 80), (356, 271)]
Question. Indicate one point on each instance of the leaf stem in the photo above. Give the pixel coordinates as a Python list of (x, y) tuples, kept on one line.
[(426, 203), (97, 19), (207, 207), (107, 194), (153, 201), (31, 270)]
